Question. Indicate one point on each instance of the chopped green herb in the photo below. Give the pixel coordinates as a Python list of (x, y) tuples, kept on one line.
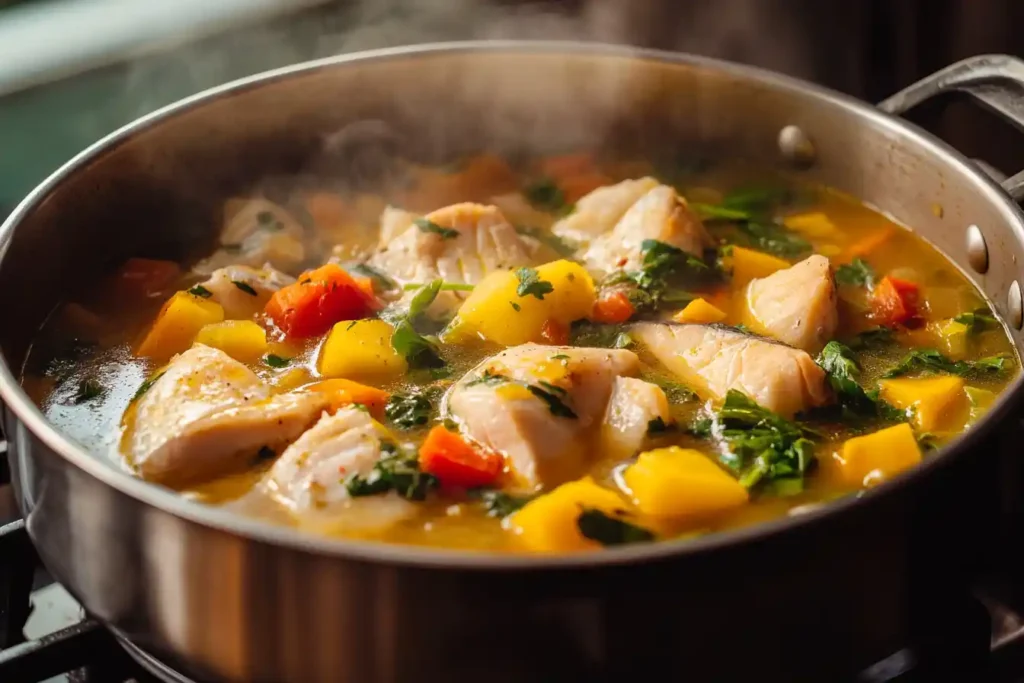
[(762, 446), (431, 227), (265, 453), (547, 196), (395, 471), (740, 327), (351, 325), (657, 426), (515, 307), (977, 321), (929, 361), (245, 287), (559, 356), (382, 282), (146, 386), (268, 221), (857, 273), (88, 389), (674, 391), (927, 441), (408, 411), (623, 341), (774, 239), (489, 378), (275, 361), (759, 200), (553, 388), (597, 335), (872, 338), (555, 404), (201, 292), (711, 212), (501, 504), (663, 268), (602, 528), (557, 244), (418, 350), (842, 370), (530, 284)]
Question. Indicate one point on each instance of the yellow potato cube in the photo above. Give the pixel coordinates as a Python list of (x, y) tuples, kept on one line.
[(932, 398), (952, 335), (872, 458), (747, 265), (681, 482), (177, 325), (495, 311), (549, 523), (360, 348), (243, 340), (815, 225), (699, 311)]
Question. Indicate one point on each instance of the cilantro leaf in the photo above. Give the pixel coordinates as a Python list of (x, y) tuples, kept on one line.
[(429, 226), (245, 287), (555, 404), (499, 503), (201, 292), (842, 370), (530, 284), (979, 320), (857, 273), (397, 471), (275, 361), (544, 194), (407, 411), (930, 361)]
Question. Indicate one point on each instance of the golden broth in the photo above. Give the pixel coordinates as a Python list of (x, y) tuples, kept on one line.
[(86, 394)]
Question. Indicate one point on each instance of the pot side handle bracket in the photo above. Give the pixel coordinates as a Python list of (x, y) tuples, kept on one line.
[(996, 81)]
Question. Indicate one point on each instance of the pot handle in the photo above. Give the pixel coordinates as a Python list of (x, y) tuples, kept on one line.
[(996, 81)]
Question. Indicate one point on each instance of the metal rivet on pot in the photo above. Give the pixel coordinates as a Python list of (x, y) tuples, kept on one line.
[(977, 250), (796, 147), (1015, 306)]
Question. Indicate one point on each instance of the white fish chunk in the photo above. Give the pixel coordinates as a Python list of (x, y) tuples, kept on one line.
[(634, 403), (599, 210), (483, 241), (712, 360), (238, 303), (256, 232), (309, 477), (660, 214), (207, 414), (543, 444), (797, 305)]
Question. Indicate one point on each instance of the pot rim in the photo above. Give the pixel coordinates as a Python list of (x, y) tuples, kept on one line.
[(20, 405)]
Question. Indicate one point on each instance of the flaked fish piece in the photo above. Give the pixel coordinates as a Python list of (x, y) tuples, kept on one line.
[(661, 215), (467, 242), (310, 476), (238, 302), (633, 406), (537, 405), (206, 415), (797, 305), (597, 212), (257, 232), (712, 360)]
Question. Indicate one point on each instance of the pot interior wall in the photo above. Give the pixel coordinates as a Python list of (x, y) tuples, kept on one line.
[(157, 190)]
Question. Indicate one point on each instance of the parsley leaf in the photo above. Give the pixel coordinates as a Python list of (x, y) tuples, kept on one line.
[(842, 370), (623, 341), (382, 282), (602, 528), (275, 361), (857, 273), (489, 378), (201, 292), (763, 447), (555, 404), (872, 338), (663, 268), (431, 227), (774, 239), (979, 320), (929, 361), (544, 194), (407, 411), (530, 284), (146, 386), (499, 503), (245, 287), (395, 471), (417, 349)]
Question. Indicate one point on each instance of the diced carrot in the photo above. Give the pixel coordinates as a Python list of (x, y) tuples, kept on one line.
[(865, 245), (578, 185), (345, 392), (894, 301), (457, 463), (146, 277), (554, 332), (564, 165), (319, 299), (614, 307)]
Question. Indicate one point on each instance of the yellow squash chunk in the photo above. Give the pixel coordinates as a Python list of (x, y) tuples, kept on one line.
[(177, 325), (931, 398), (243, 340), (681, 482), (496, 312), (747, 264), (815, 225), (875, 457), (699, 311), (952, 335), (548, 523), (289, 379), (360, 348), (980, 400)]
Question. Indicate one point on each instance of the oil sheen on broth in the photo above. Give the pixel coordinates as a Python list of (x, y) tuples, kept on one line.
[(566, 354)]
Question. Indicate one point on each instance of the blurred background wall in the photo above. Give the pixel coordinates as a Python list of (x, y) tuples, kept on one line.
[(73, 70)]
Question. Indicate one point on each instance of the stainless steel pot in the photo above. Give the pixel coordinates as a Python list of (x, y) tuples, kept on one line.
[(809, 597)]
